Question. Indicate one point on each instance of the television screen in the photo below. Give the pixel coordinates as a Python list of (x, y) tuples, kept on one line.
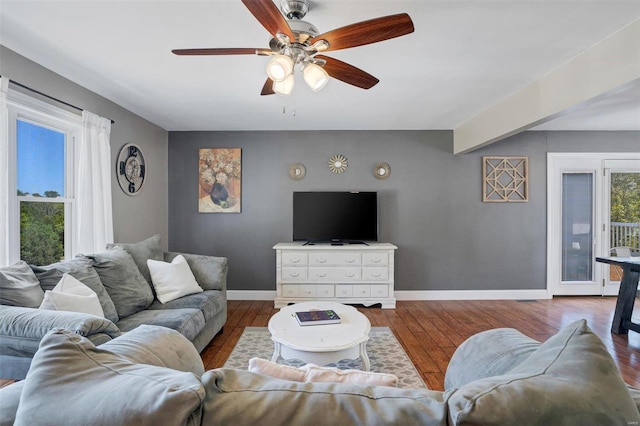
[(335, 216)]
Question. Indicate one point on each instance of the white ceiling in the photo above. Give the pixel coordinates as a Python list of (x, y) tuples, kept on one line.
[(463, 57)]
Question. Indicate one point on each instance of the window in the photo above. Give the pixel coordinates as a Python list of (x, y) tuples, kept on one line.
[(41, 149)]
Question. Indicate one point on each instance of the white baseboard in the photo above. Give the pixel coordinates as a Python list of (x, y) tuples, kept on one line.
[(472, 295), (251, 295), (419, 295)]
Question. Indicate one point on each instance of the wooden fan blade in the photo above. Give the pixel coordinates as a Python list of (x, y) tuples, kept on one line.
[(267, 89), (222, 51), (267, 13), (348, 73), (367, 32)]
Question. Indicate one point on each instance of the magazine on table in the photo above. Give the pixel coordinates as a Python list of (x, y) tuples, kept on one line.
[(320, 317)]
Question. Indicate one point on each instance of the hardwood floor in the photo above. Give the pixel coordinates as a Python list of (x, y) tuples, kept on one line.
[(431, 331)]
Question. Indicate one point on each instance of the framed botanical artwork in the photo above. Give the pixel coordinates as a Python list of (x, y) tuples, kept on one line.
[(220, 180)]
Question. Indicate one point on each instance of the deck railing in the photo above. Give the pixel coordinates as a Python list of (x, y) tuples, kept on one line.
[(625, 235)]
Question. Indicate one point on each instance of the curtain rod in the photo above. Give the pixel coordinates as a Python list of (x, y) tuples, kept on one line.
[(50, 97)]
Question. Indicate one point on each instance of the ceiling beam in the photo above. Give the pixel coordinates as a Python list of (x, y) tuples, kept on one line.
[(608, 67)]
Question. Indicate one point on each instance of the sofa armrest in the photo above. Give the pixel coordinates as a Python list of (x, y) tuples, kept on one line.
[(210, 271), (35, 323)]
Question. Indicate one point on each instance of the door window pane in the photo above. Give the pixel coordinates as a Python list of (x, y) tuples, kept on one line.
[(577, 227), (40, 160)]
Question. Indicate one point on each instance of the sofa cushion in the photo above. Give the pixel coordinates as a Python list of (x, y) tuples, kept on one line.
[(188, 322), (81, 269), (19, 286), (172, 280), (569, 379), (72, 382), (151, 248), (155, 345), (71, 295), (209, 302), (121, 277), (243, 398)]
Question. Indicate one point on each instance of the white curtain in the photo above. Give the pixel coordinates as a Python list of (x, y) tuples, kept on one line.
[(93, 208), (4, 173)]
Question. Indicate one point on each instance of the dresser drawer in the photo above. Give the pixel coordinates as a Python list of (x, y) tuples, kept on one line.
[(289, 290), (307, 291), (298, 290), (324, 258), (361, 290), (344, 291), (379, 290), (325, 290), (375, 274), (294, 258), (290, 274), (334, 274), (375, 259)]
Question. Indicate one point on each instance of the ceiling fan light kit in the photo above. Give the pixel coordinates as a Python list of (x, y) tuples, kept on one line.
[(315, 76), (284, 87), (279, 67), (297, 42)]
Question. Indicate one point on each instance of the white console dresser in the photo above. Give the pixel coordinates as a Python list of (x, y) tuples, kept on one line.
[(349, 273)]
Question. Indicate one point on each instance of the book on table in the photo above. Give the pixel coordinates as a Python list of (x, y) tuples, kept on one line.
[(319, 317)]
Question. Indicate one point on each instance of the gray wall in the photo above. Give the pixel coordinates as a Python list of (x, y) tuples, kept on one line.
[(135, 218), (431, 207)]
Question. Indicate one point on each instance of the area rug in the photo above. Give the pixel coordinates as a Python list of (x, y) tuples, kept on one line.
[(385, 354)]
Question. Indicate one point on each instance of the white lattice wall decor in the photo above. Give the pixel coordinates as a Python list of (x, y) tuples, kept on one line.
[(505, 179)]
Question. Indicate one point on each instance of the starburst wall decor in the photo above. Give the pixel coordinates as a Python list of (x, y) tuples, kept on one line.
[(505, 179)]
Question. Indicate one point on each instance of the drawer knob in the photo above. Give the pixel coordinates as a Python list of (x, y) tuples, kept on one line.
[(322, 274), (322, 260), (376, 260), (295, 260), (350, 274), (350, 260), (295, 274), (376, 274)]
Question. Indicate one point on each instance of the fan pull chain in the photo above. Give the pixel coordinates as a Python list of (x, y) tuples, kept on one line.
[(284, 111)]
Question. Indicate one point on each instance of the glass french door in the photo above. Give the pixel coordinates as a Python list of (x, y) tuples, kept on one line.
[(592, 203), (622, 216)]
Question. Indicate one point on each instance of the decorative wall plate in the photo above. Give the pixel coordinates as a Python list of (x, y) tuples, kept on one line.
[(381, 170), (130, 169), (297, 171), (338, 163)]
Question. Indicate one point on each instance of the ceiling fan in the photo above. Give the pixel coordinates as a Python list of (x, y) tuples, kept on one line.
[(297, 42)]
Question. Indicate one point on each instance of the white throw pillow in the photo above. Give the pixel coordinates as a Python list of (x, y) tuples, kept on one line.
[(172, 280), (314, 373), (71, 295)]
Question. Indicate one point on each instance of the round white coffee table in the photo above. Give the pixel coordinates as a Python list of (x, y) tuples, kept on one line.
[(320, 344)]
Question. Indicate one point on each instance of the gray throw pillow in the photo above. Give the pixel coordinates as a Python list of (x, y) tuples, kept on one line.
[(125, 284), (71, 382), (570, 379), (151, 248), (81, 269), (19, 286)]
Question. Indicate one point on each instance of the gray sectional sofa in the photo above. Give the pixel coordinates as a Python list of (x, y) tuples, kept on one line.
[(121, 279), (154, 376)]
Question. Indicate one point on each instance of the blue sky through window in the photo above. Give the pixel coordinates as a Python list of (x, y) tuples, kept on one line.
[(40, 159)]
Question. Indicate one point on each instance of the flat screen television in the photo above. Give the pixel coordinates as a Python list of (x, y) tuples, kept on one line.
[(344, 217)]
